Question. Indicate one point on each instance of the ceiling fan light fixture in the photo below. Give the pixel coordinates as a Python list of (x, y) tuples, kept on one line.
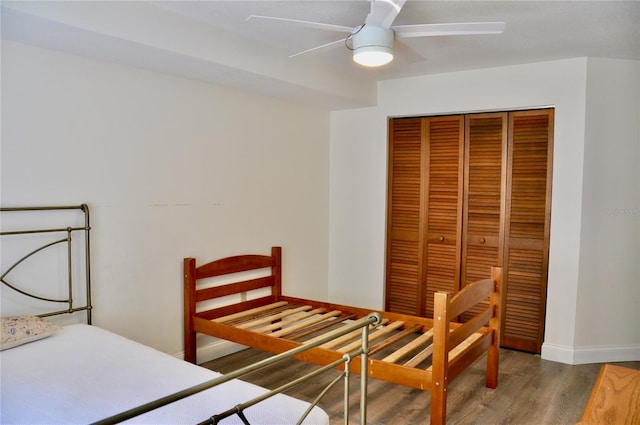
[(372, 56), (373, 46)]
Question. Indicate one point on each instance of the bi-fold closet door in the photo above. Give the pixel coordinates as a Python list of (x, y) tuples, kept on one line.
[(467, 192)]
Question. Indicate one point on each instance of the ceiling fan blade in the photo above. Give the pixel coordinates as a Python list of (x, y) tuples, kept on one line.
[(384, 12), (309, 24), (429, 30), (406, 53), (324, 46)]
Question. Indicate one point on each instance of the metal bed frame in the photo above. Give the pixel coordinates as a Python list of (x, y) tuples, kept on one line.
[(69, 231), (372, 319), (364, 325)]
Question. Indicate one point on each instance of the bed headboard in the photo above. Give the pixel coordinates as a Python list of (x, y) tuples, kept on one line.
[(227, 266), (49, 236)]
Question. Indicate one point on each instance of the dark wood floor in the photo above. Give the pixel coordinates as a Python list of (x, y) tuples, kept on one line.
[(530, 391)]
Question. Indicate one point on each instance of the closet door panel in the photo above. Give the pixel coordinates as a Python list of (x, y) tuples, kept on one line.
[(403, 216), (522, 322), (484, 193), (444, 138), (527, 232), (484, 174)]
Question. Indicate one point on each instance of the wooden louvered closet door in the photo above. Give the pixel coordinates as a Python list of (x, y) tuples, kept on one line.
[(443, 182), (467, 193), (403, 216), (404, 267), (527, 232), (484, 195), (424, 211)]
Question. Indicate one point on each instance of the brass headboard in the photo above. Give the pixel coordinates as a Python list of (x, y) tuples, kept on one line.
[(66, 238)]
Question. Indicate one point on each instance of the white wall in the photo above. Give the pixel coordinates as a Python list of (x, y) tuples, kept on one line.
[(358, 179), (609, 290), (170, 168), (174, 168)]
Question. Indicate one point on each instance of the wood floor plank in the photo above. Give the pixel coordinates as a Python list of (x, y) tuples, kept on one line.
[(530, 391)]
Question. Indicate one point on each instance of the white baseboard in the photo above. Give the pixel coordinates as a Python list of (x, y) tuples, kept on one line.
[(214, 350), (217, 349), (574, 356), (557, 353)]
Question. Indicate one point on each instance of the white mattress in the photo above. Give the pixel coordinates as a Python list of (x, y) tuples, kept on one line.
[(84, 373)]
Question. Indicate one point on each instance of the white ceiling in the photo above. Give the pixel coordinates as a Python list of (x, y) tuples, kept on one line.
[(213, 41)]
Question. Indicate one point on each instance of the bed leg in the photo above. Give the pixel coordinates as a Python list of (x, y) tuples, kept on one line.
[(189, 309), (440, 360), (492, 368), (493, 352), (439, 406), (190, 347)]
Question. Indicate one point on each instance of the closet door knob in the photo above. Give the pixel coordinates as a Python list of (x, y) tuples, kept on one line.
[(482, 240), (441, 238)]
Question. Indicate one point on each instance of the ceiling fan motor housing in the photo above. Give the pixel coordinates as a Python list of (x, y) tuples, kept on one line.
[(373, 45)]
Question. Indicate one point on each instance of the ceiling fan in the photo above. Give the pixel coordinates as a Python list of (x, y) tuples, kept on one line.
[(372, 42)]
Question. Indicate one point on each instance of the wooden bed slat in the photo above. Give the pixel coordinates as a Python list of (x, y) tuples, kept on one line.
[(241, 320), (273, 317), (320, 326), (282, 324), (407, 349), (346, 338), (394, 338), (420, 357), (379, 333), (336, 341), (311, 321), (249, 312)]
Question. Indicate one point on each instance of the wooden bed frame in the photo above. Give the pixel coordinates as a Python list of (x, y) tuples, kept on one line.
[(277, 323)]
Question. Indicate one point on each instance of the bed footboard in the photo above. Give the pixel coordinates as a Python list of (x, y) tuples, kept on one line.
[(456, 346)]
